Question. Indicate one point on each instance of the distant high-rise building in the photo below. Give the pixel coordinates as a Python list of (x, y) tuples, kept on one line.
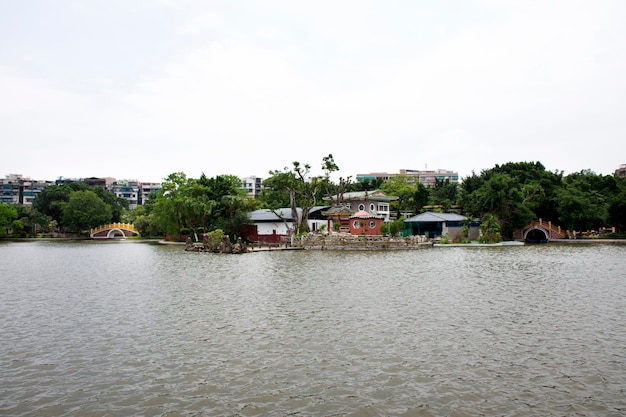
[(621, 171), (430, 178), (17, 189), (426, 177), (252, 185), (11, 185), (147, 188), (129, 190)]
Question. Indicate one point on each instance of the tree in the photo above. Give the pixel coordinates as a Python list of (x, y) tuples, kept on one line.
[(85, 210), (365, 185), (116, 203), (303, 191), (444, 193), (617, 207), (143, 219), (52, 200), (200, 205), (516, 193), (585, 200), (404, 187), (394, 227), (168, 205), (489, 229), (8, 213)]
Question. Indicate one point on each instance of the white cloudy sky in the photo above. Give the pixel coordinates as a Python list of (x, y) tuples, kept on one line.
[(141, 89)]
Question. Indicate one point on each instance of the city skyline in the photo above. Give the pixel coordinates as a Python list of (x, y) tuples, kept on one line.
[(355, 176)]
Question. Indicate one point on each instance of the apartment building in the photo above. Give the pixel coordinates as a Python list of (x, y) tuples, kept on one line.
[(430, 178), (17, 189), (426, 177), (252, 185), (129, 190), (621, 171), (147, 188)]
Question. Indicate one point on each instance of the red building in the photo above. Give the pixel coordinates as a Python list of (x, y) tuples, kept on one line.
[(365, 223)]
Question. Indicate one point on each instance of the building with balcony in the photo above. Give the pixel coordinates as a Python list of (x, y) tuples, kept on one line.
[(252, 185), (10, 189), (129, 190), (17, 189), (147, 188), (374, 202), (426, 177)]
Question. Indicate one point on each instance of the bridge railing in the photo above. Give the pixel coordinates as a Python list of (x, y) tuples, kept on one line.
[(126, 226), (554, 230)]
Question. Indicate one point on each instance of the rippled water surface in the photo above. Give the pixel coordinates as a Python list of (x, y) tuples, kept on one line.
[(127, 328)]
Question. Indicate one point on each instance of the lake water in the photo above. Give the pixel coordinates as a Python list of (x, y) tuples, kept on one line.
[(128, 328)]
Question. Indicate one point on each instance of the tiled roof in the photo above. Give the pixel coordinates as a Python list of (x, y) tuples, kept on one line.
[(431, 217), (374, 195), (266, 215), (362, 214)]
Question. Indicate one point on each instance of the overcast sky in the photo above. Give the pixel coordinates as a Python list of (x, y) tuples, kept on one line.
[(141, 89)]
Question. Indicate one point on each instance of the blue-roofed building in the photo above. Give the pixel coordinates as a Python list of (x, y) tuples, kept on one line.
[(434, 225)]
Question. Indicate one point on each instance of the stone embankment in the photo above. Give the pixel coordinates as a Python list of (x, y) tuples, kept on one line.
[(359, 242), (223, 246), (314, 242)]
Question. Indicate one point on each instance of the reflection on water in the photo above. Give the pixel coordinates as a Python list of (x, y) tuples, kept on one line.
[(139, 329)]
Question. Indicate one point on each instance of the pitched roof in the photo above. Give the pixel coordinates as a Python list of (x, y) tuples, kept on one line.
[(432, 217), (362, 214), (334, 210), (267, 215), (318, 208), (374, 195)]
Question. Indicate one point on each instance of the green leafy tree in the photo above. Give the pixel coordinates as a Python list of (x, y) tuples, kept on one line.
[(8, 214), (490, 229), (303, 191), (200, 205), (52, 201), (405, 188), (365, 185), (444, 193), (170, 204), (17, 226), (144, 220), (516, 193), (148, 226), (585, 200), (393, 228), (617, 207), (85, 210), (420, 198), (117, 204)]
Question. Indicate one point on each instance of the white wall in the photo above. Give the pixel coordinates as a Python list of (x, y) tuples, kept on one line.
[(267, 228)]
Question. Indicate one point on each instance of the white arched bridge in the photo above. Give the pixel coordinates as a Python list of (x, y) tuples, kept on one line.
[(113, 230)]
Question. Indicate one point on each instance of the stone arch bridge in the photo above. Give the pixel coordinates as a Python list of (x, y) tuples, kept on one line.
[(540, 231), (113, 230)]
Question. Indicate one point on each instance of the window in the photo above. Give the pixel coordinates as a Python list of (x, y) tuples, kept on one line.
[(372, 224), (361, 206), (356, 224), (372, 207)]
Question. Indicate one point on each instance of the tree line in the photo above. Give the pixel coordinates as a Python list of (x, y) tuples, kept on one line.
[(514, 194)]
